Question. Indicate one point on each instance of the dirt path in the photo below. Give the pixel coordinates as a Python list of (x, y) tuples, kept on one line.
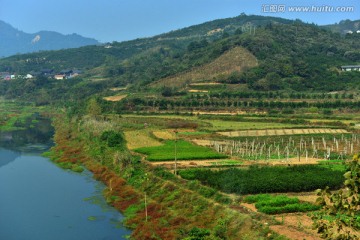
[(189, 164), (242, 163)]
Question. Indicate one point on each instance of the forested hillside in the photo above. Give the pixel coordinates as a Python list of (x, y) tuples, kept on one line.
[(287, 56)]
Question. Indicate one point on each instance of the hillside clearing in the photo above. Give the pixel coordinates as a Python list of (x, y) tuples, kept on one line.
[(234, 60)]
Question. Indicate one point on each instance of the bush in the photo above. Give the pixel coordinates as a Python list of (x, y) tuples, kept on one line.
[(113, 139)]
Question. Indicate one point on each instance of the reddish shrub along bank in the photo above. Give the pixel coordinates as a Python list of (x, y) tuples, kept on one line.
[(124, 195)]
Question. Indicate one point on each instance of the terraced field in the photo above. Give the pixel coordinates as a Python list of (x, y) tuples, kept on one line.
[(279, 132)]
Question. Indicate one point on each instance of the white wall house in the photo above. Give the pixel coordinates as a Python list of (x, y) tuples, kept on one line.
[(350, 68)]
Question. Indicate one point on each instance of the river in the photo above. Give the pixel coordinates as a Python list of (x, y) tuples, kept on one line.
[(40, 201)]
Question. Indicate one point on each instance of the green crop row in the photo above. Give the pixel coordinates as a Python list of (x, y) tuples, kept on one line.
[(184, 151), (278, 201), (289, 208), (267, 179), (268, 204)]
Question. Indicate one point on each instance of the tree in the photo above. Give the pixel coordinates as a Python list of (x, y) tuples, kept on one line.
[(340, 215), (274, 80), (93, 107), (167, 92)]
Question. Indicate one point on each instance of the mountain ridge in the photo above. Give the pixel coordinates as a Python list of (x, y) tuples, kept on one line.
[(14, 41)]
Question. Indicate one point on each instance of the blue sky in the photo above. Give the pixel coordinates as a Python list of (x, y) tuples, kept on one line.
[(119, 20)]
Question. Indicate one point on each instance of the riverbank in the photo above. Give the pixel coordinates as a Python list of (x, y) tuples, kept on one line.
[(156, 204), (41, 201)]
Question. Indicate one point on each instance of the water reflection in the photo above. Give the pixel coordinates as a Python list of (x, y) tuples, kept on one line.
[(34, 139), (7, 156), (38, 200)]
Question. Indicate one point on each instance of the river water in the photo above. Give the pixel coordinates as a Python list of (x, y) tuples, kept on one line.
[(40, 201)]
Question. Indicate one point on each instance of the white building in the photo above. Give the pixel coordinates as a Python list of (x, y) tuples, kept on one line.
[(350, 68)]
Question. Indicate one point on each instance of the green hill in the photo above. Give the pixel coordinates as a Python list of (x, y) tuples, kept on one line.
[(277, 54)]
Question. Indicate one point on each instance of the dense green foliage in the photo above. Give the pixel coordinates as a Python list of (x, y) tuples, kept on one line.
[(267, 179), (339, 217), (113, 139), (184, 151)]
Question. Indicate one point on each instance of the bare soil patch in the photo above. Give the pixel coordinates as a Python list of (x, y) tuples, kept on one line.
[(115, 98), (118, 89), (205, 84)]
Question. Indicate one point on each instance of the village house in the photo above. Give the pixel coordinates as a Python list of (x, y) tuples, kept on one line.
[(29, 76), (59, 76), (350, 68)]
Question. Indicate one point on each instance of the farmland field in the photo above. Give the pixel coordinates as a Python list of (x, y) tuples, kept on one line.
[(276, 132), (218, 125), (267, 179), (140, 138), (279, 204), (185, 151)]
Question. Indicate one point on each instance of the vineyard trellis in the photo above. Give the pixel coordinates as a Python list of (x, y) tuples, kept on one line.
[(285, 148)]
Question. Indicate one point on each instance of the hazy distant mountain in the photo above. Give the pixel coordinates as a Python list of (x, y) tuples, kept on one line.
[(344, 26), (13, 41)]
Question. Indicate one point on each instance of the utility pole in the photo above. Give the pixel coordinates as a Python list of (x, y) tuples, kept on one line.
[(146, 185), (175, 167)]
